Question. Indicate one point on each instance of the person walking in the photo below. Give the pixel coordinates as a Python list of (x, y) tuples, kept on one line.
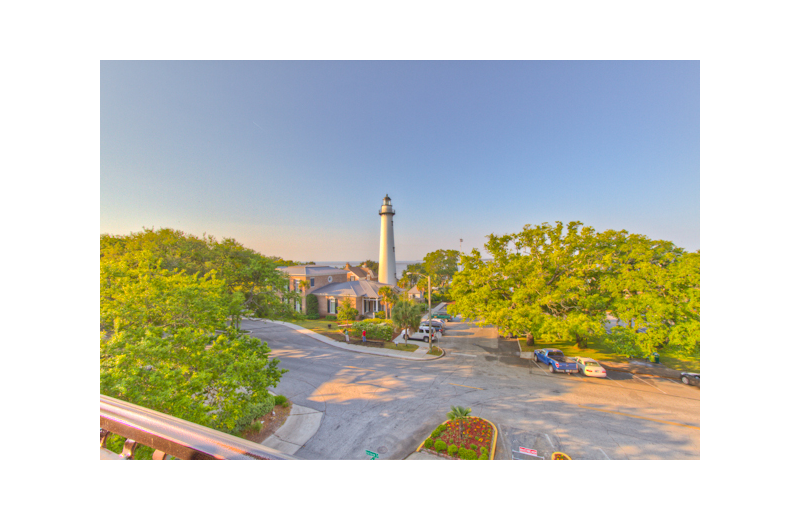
[(364, 336)]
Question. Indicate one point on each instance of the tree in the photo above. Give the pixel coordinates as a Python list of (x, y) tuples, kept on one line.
[(561, 282), (243, 270), (541, 280), (160, 347), (406, 315), (441, 265), (389, 297), (458, 414), (371, 265), (346, 311), (312, 305), (654, 288)]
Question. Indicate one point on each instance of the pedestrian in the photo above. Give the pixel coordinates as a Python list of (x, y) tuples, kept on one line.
[(364, 335), (346, 336)]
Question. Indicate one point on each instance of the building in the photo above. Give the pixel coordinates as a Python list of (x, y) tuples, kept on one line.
[(332, 286), (361, 272), (359, 284)]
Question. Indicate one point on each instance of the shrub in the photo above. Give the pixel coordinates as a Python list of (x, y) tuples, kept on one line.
[(312, 306), (280, 400), (484, 451), (452, 450), (473, 447), (379, 331), (467, 454), (380, 314), (330, 317), (255, 410), (439, 445), (312, 316), (483, 457), (429, 442)]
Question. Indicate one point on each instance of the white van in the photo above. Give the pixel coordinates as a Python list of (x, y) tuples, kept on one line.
[(420, 335)]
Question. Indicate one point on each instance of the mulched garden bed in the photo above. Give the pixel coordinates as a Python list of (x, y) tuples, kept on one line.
[(473, 430), (271, 423)]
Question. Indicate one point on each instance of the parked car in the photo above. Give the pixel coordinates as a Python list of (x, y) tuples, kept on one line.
[(437, 325), (556, 360), (590, 367), (442, 315), (422, 334), (690, 378)]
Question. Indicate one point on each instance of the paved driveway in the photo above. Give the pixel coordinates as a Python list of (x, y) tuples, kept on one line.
[(389, 405)]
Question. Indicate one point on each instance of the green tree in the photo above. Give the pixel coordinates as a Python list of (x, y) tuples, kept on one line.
[(159, 348), (312, 305), (458, 414), (562, 282), (407, 315), (371, 265), (441, 265), (542, 280), (389, 297), (242, 270), (346, 311), (654, 287)]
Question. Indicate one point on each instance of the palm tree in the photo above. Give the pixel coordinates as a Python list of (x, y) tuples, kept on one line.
[(458, 414), (389, 298), (406, 315)]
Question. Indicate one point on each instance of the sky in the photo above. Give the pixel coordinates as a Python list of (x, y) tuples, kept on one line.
[(293, 158)]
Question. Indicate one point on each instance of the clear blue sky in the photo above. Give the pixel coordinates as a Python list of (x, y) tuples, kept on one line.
[(293, 158)]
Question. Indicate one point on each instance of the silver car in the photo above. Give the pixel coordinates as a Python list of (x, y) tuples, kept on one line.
[(590, 367)]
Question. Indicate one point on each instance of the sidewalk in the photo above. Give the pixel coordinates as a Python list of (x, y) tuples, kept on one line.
[(419, 355)]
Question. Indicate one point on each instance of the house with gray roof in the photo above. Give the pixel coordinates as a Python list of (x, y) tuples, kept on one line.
[(332, 286)]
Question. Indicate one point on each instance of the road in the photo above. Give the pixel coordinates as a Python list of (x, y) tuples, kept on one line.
[(389, 405)]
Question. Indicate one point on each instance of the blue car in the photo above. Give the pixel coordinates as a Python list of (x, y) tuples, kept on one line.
[(556, 360)]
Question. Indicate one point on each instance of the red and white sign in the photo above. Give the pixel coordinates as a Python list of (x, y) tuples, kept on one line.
[(527, 451)]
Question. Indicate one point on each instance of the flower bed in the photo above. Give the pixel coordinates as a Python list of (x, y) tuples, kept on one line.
[(475, 439)]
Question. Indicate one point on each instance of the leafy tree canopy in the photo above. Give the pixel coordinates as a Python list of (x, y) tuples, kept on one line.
[(242, 270), (565, 282), (371, 265), (161, 345)]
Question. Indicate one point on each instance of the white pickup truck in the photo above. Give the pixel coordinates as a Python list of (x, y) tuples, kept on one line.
[(421, 334)]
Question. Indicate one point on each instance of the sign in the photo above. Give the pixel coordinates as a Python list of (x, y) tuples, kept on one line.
[(372, 454), (527, 451)]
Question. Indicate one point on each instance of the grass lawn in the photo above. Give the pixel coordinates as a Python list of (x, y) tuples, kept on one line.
[(602, 352), (321, 327)]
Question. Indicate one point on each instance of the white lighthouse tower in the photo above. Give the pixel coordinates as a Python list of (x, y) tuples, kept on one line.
[(387, 268)]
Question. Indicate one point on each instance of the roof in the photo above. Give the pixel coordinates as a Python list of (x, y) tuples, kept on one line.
[(311, 270), (361, 272), (368, 288)]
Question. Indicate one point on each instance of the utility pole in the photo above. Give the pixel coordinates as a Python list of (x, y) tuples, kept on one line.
[(430, 313)]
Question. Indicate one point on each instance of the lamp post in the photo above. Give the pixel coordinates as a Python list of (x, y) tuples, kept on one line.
[(430, 313)]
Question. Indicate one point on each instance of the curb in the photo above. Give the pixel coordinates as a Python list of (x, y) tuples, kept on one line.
[(333, 343)]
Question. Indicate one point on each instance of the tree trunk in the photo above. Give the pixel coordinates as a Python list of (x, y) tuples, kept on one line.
[(529, 340)]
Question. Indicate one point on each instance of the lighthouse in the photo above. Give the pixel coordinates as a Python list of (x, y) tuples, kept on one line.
[(387, 268)]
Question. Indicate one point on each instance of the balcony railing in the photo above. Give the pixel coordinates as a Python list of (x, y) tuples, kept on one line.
[(170, 436)]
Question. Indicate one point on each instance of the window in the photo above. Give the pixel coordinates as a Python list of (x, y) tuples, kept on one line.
[(331, 305), (312, 282), (296, 285)]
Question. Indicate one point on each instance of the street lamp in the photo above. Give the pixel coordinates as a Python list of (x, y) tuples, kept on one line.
[(430, 314)]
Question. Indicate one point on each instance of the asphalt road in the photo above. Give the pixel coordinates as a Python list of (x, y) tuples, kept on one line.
[(389, 405)]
